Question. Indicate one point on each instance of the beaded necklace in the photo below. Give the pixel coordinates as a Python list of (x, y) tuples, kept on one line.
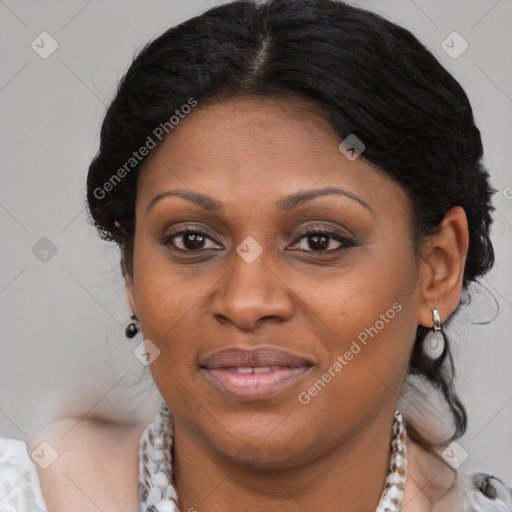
[(157, 493)]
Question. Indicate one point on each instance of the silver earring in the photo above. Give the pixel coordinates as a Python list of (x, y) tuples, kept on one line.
[(433, 346), (133, 328)]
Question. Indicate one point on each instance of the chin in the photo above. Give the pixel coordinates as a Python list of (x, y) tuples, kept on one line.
[(257, 449)]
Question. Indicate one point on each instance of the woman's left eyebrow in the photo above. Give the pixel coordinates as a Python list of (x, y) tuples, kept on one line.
[(285, 204), (292, 201)]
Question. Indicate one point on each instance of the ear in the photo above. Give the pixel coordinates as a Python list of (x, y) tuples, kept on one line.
[(442, 267)]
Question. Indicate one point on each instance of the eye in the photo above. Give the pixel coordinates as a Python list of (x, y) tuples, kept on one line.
[(320, 239), (188, 240)]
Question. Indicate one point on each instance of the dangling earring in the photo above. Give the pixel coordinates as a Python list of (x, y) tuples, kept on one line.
[(433, 347), (133, 328)]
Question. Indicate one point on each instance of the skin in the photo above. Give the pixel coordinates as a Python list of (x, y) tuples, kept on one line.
[(278, 453)]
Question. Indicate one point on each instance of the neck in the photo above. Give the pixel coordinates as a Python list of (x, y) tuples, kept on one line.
[(348, 476)]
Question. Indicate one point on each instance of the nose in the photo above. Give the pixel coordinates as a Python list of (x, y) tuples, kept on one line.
[(250, 293)]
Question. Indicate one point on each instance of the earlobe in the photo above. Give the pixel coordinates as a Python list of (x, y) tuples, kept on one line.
[(443, 261)]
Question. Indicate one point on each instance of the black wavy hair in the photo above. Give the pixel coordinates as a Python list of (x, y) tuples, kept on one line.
[(366, 75)]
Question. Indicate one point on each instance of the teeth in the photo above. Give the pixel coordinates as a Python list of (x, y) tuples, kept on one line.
[(243, 370), (261, 369)]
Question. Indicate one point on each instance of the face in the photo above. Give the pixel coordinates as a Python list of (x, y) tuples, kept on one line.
[(331, 278)]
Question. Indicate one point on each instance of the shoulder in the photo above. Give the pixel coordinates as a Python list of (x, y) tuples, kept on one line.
[(19, 484), (90, 462)]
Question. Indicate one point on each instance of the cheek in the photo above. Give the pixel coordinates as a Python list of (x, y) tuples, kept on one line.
[(367, 317), (366, 359), (168, 312), (357, 297), (165, 303)]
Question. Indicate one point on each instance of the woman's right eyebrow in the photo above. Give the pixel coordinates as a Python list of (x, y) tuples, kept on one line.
[(285, 204), (206, 202)]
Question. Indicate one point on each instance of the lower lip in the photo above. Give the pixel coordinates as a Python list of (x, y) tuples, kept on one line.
[(254, 386)]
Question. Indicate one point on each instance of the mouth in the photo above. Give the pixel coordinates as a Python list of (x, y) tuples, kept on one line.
[(254, 374), (254, 383)]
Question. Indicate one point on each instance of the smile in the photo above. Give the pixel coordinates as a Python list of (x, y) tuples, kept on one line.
[(254, 383)]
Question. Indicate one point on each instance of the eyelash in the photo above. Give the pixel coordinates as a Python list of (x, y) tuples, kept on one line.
[(345, 241)]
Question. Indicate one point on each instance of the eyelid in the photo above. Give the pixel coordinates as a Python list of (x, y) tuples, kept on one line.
[(188, 227), (300, 232)]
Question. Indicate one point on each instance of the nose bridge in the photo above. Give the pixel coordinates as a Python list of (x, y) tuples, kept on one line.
[(251, 290)]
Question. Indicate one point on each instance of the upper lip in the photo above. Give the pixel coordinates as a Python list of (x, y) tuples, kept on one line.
[(258, 357)]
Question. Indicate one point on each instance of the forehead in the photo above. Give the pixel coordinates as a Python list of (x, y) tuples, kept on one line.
[(252, 151)]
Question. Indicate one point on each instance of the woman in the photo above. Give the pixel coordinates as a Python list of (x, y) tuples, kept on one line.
[(297, 191)]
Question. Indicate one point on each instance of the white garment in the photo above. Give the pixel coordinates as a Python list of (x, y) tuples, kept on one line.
[(20, 490)]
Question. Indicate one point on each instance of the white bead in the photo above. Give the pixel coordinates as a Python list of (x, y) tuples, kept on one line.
[(165, 506), (156, 455), (154, 496), (160, 479)]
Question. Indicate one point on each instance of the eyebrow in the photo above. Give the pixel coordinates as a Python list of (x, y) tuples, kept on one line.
[(285, 204), (206, 202), (289, 202)]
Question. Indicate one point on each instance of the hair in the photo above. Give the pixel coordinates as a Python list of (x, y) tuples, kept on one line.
[(366, 75)]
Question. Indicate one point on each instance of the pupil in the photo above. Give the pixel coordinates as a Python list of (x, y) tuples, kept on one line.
[(319, 242), (192, 241)]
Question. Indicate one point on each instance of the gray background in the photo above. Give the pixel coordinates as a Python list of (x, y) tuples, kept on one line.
[(63, 351)]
